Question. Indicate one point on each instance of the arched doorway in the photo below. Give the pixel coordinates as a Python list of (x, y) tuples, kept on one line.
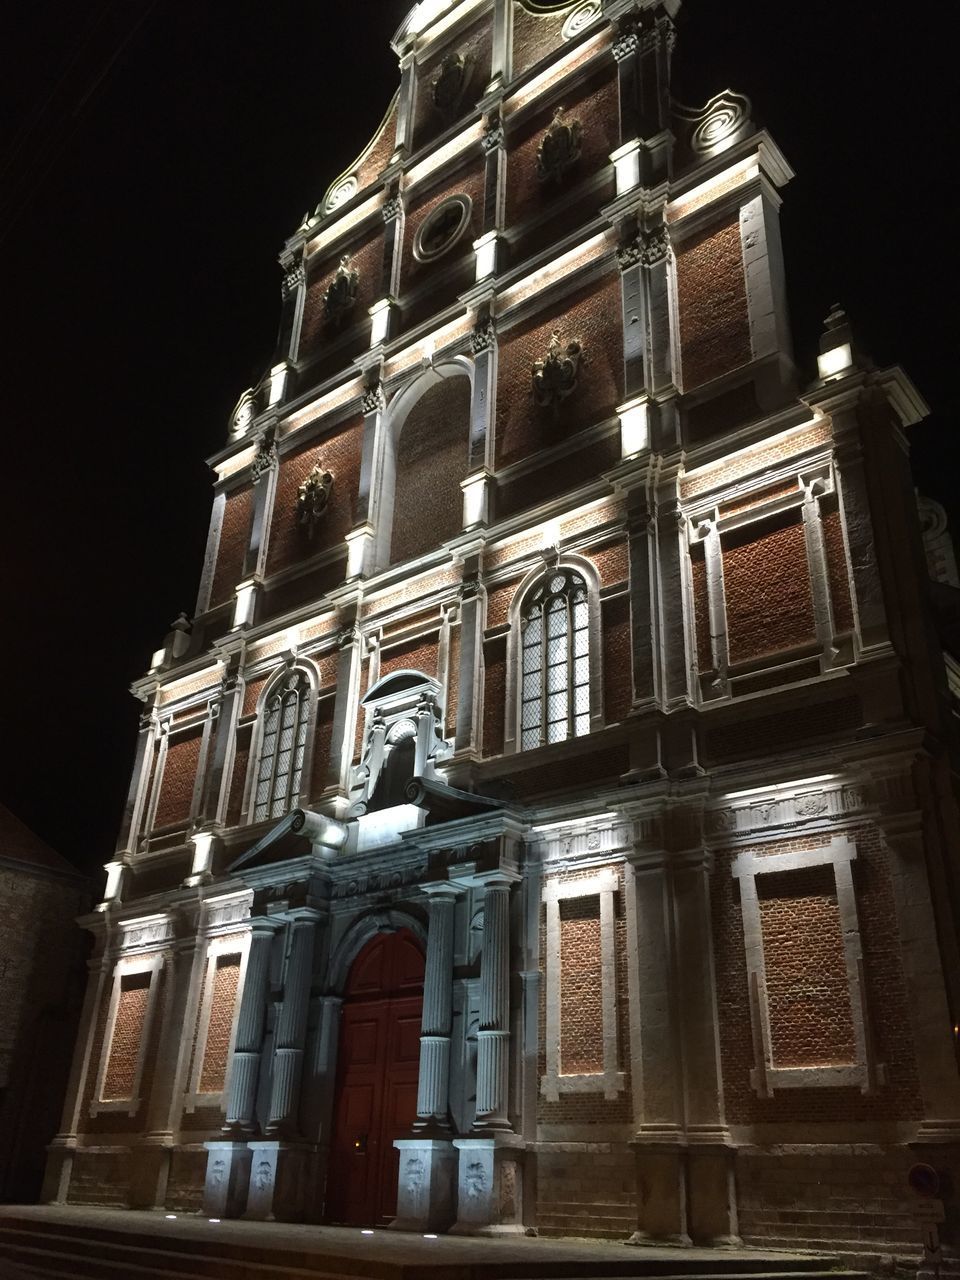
[(377, 1068)]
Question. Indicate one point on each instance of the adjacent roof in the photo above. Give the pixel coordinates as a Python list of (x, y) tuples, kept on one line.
[(19, 844)]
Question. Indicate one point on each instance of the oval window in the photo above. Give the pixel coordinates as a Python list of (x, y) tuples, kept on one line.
[(441, 230)]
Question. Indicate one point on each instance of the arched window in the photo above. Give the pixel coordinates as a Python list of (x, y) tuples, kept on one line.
[(555, 660), (286, 715)]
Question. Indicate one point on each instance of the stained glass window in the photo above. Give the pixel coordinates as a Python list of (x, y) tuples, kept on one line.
[(555, 661), (282, 747)]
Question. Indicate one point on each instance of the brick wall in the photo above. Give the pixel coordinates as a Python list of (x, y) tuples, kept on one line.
[(712, 298), (120, 1079), (854, 1195), (581, 978), (701, 606), (811, 1018), (179, 778), (467, 180), (898, 1099), (587, 1189), (553, 206), (617, 659), (560, 476), (535, 36), (188, 1168), (241, 759), (453, 681), (476, 45), (494, 694), (340, 454), (838, 575), (432, 459), (416, 655), (42, 979), (748, 737), (767, 587), (366, 258), (322, 745), (213, 1073), (592, 316), (234, 540), (382, 148), (100, 1178)]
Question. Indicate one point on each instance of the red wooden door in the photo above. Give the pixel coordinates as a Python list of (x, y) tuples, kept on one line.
[(377, 1068)]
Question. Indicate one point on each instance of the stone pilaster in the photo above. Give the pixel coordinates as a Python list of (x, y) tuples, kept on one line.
[(361, 541), (216, 794), (345, 708), (56, 1178), (248, 1047), (293, 297), (291, 1028), (139, 786), (493, 1037), (182, 982), (433, 1093), (468, 695)]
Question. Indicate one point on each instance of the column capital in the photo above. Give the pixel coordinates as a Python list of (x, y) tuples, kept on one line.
[(438, 890)]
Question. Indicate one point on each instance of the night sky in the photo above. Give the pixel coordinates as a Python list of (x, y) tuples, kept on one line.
[(155, 156)]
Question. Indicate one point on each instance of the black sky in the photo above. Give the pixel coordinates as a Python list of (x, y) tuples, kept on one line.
[(155, 155)]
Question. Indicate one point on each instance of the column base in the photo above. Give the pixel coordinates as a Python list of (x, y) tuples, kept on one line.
[(279, 1175), (661, 1194), (426, 1190), (228, 1175), (57, 1174), (490, 1185), (151, 1173)]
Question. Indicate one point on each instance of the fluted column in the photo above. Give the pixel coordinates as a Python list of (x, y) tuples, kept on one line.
[(245, 1068), (292, 1029), (493, 1037), (433, 1093)]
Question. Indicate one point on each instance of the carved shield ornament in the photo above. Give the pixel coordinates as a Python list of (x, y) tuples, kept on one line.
[(313, 498), (559, 148), (341, 295), (555, 376)]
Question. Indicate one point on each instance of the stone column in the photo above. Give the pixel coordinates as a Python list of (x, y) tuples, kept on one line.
[(245, 1064), (471, 616), (493, 1037), (344, 708), (292, 1028), (434, 1082), (361, 541)]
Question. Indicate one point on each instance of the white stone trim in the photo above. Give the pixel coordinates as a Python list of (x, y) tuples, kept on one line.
[(609, 1081), (212, 553), (125, 968), (766, 1077), (217, 947), (514, 686)]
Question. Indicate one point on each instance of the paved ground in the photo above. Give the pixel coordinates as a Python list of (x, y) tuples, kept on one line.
[(399, 1249)]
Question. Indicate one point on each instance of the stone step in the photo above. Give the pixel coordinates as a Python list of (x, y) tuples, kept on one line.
[(64, 1247)]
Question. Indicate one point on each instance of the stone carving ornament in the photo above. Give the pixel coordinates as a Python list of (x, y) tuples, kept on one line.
[(313, 498), (341, 295), (450, 84), (555, 377), (559, 149), (441, 229), (266, 456)]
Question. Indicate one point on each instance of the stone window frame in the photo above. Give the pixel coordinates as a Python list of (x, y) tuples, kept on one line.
[(865, 1072), (310, 670), (218, 947), (126, 968), (707, 525), (199, 717), (514, 683), (611, 1080)]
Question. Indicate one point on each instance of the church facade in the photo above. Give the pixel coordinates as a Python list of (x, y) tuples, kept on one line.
[(548, 819)]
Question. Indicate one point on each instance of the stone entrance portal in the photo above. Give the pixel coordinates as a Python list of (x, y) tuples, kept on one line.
[(377, 1068)]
